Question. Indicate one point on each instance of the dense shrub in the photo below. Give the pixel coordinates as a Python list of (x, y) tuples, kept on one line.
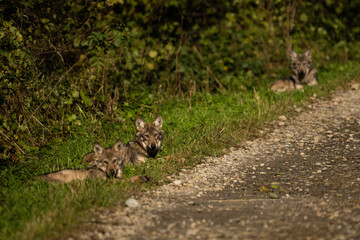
[(68, 63)]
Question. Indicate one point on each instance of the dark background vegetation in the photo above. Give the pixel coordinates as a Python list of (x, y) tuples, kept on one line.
[(71, 66)]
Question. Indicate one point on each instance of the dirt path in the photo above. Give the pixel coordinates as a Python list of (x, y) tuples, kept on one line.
[(300, 181)]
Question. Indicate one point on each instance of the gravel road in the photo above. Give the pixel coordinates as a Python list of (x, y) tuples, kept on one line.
[(300, 180)]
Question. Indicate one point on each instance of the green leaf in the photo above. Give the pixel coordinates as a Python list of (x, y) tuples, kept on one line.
[(23, 127), (303, 17), (264, 189), (44, 20), (85, 99), (75, 94), (77, 42), (153, 54), (273, 195), (68, 101)]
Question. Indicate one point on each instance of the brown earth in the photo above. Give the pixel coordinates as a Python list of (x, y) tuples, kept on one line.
[(300, 180)]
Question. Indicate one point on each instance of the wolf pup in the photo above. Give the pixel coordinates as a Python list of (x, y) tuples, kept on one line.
[(302, 73), (109, 160), (146, 142), (68, 175), (105, 163)]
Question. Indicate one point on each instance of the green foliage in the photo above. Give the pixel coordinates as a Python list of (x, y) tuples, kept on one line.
[(118, 57)]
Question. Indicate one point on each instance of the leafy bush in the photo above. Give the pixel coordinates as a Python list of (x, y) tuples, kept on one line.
[(69, 63)]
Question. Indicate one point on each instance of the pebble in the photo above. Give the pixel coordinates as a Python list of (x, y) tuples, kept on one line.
[(283, 118), (355, 86), (177, 182), (281, 124), (132, 203), (298, 109)]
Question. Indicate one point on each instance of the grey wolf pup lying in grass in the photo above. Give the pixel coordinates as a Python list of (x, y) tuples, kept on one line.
[(104, 163), (302, 73), (146, 143)]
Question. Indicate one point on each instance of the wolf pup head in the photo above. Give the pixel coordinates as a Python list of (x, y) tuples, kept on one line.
[(301, 64), (110, 160), (150, 135)]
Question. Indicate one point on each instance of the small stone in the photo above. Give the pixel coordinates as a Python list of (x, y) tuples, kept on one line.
[(273, 195), (283, 118), (177, 182), (281, 124), (131, 202), (355, 86), (316, 139), (192, 232), (298, 109)]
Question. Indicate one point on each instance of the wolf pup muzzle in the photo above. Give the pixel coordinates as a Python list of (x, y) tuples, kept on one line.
[(301, 75), (112, 173), (152, 150)]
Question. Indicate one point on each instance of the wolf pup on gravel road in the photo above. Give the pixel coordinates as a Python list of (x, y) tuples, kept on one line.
[(105, 163), (146, 142), (303, 73)]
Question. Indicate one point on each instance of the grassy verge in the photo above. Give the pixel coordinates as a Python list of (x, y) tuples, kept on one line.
[(35, 210)]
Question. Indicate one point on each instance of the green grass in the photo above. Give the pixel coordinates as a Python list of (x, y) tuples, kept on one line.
[(37, 210)]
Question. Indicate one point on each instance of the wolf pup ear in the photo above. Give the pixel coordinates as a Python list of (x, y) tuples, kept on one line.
[(308, 54), (158, 122), (117, 146), (98, 149), (140, 124), (293, 55)]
